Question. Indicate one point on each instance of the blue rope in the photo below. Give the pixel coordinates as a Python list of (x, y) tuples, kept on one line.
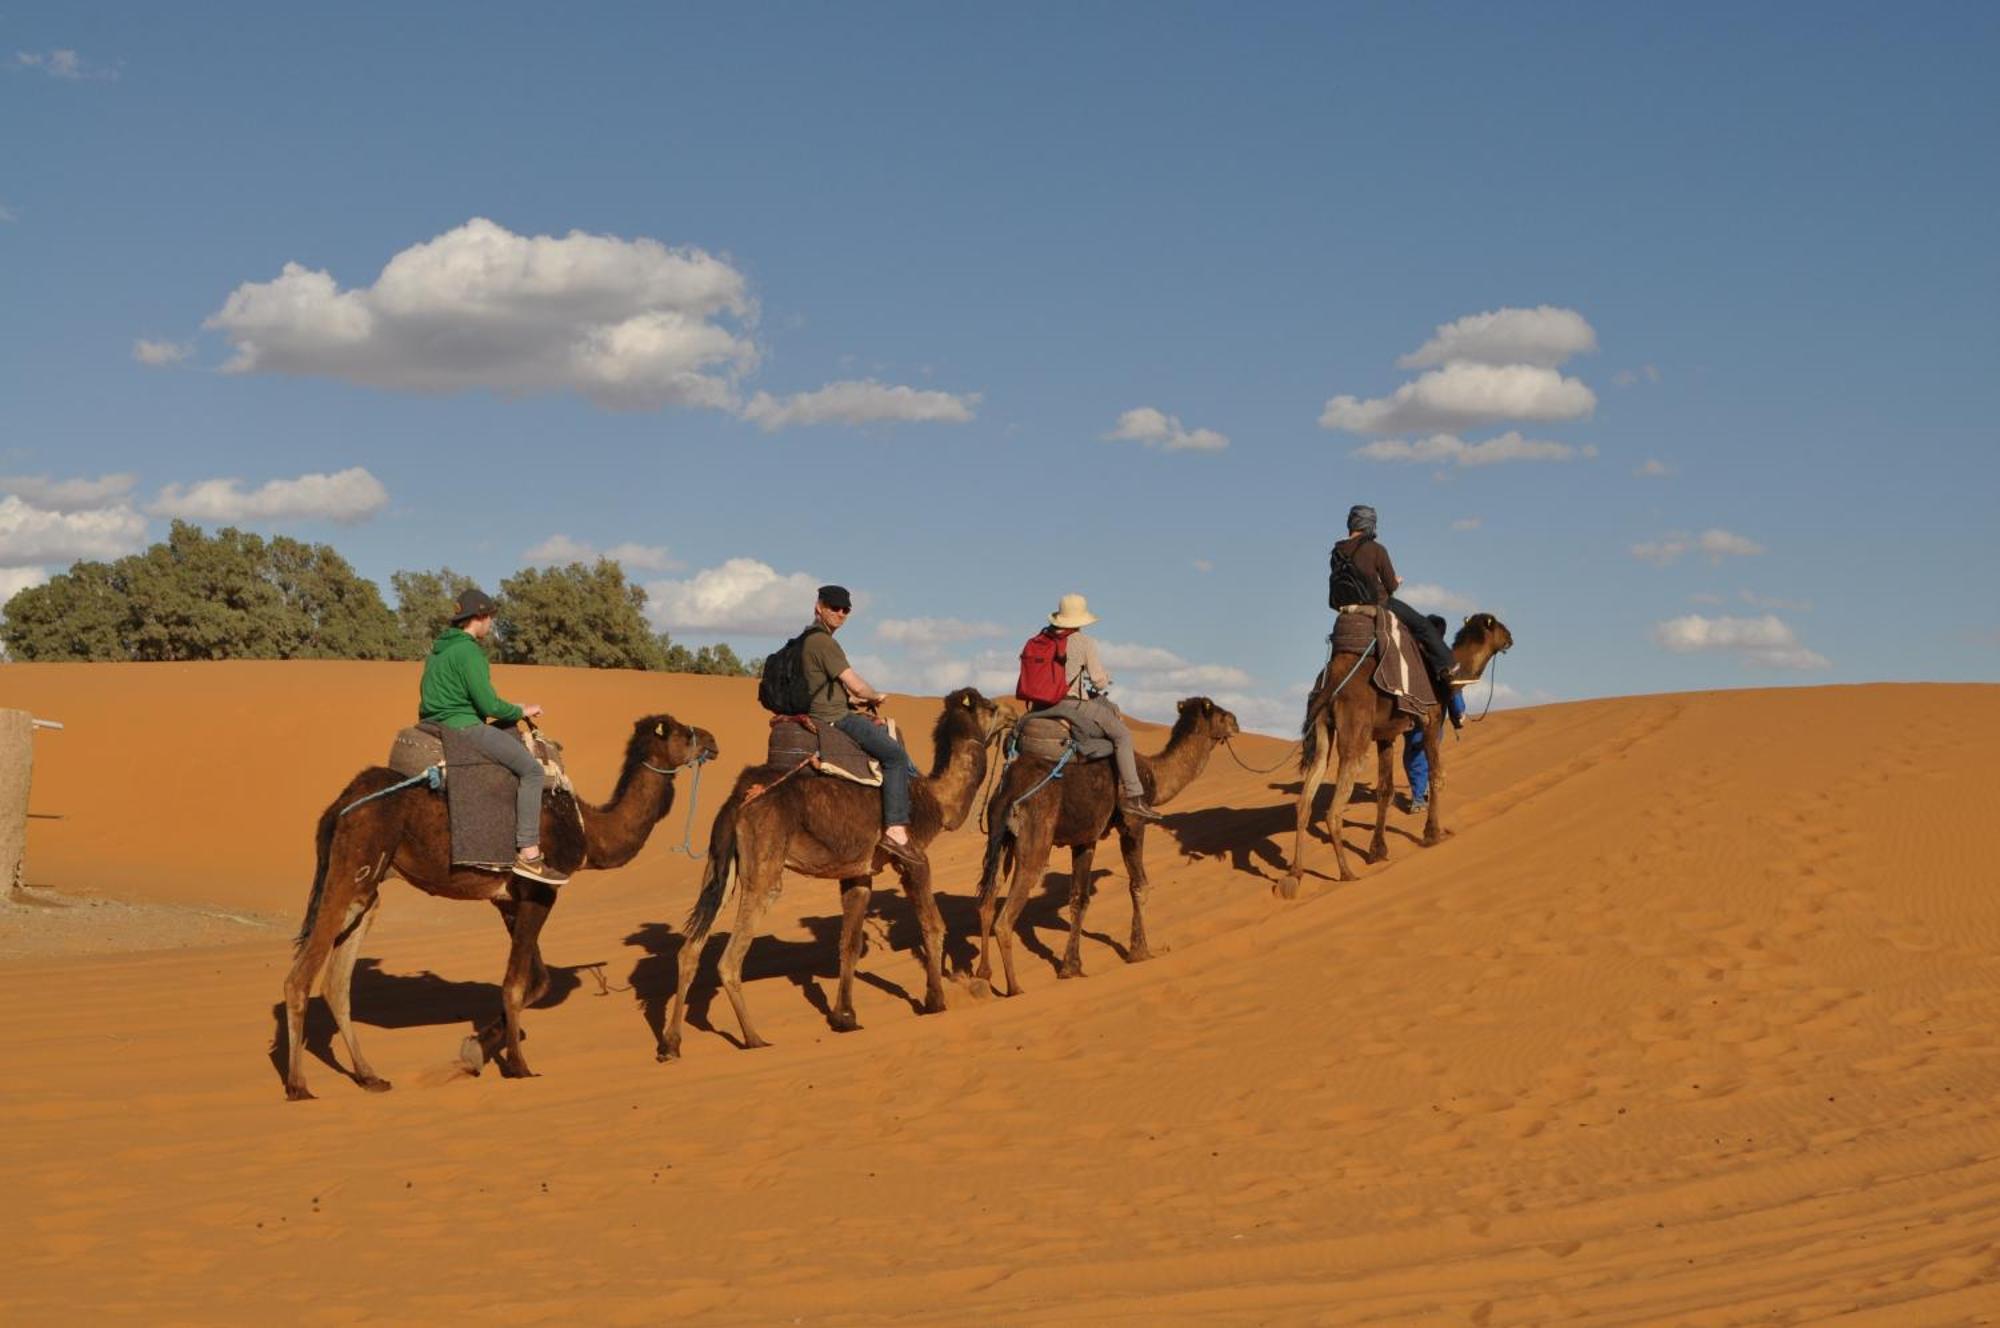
[(686, 845), (430, 774), (1357, 664), (1055, 772)]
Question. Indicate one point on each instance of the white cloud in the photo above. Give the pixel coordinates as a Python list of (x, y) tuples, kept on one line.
[(1155, 428), (1203, 565), (629, 324), (160, 353), (1544, 336), (69, 495), (1435, 598), (1652, 468), (1717, 544), (1467, 523), (860, 402), (633, 557), (1463, 395), (924, 634), (348, 496), (14, 580), (1631, 377), (8, 213), (30, 534), (1767, 640), (64, 64), (1449, 449), (742, 595)]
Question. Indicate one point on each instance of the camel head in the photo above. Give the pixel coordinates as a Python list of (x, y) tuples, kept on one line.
[(666, 744), (1203, 718), (1484, 628), (967, 714)]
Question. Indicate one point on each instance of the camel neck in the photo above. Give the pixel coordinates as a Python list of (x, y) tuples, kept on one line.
[(615, 832), (1178, 763), (956, 783)]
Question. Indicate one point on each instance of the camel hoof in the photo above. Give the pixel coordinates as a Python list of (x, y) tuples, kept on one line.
[(669, 1051), (298, 1093), (754, 1043), (375, 1084), (512, 1070), (980, 989), (1287, 888), (1140, 954), (472, 1055), (1068, 971), (843, 1021)]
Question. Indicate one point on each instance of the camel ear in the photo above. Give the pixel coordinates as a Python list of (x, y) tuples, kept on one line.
[(968, 700), (659, 728), (1181, 706)]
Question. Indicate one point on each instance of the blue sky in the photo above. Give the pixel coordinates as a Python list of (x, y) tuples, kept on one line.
[(874, 287)]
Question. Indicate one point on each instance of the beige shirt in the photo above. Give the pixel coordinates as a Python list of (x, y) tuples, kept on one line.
[(1084, 664)]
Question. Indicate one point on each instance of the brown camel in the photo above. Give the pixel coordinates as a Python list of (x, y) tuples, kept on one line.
[(1030, 814), (407, 834), (818, 825), (1345, 713)]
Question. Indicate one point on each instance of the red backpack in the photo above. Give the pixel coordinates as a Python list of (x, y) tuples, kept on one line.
[(1044, 668)]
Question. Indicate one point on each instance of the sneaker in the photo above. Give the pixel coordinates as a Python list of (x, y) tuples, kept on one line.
[(1137, 809), (1419, 808), (537, 868), (906, 853)]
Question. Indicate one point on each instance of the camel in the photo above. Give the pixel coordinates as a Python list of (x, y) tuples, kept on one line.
[(407, 834), (1345, 713), (825, 827), (1030, 814)]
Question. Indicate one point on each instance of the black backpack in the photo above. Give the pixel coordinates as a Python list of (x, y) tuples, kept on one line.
[(782, 688), (1347, 583)]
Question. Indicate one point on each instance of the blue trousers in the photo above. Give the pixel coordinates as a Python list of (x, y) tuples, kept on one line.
[(897, 767), (1416, 763)]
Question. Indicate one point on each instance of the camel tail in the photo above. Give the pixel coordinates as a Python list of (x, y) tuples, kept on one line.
[(999, 840), (717, 876), (1309, 735), (323, 842)]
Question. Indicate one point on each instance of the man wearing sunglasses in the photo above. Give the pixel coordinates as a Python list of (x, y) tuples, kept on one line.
[(842, 699)]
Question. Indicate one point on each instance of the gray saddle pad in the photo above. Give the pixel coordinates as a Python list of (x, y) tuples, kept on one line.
[(478, 791), (1046, 738), (792, 742)]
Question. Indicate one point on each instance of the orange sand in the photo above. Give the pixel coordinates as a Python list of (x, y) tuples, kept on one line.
[(1693, 1022)]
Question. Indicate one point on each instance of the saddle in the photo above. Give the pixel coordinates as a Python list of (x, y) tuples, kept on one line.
[(1047, 736), (478, 791), (796, 740), (1399, 669)]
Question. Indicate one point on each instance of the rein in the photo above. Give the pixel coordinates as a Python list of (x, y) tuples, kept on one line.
[(1229, 745), (431, 774), (686, 846)]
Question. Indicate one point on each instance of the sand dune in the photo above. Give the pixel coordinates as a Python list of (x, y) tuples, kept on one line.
[(1693, 1021)]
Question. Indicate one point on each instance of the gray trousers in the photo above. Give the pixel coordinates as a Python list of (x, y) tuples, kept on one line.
[(502, 746), (1100, 719)]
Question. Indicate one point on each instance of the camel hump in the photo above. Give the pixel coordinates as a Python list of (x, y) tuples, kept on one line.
[(829, 751), (416, 749), (1046, 737)]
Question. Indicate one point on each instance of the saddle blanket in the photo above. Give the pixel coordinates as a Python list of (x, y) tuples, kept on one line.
[(478, 791), (827, 749), (1399, 668), (1043, 737)]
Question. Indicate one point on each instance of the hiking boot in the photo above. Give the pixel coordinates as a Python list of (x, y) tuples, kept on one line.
[(537, 868), (1137, 809), (906, 853)]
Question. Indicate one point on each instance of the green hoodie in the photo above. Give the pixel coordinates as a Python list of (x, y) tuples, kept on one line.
[(457, 690)]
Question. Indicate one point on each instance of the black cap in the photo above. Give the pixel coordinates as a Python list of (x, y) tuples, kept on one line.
[(472, 603), (835, 597)]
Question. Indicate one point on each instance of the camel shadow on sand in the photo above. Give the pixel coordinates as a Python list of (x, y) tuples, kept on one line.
[(409, 1000), (1257, 838)]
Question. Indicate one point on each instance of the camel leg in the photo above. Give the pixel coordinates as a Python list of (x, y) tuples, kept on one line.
[(917, 885), (1080, 856), (1343, 784), (1030, 861), (529, 915), (1434, 751), (759, 888), (490, 1038), (855, 892), (350, 871), (1132, 843), (1308, 791), (339, 984), (1385, 790), (998, 865)]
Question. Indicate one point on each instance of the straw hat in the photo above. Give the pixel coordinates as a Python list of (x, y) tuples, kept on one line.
[(1074, 611)]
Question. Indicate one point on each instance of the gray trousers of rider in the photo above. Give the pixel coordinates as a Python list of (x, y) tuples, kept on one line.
[(1100, 719), (502, 746)]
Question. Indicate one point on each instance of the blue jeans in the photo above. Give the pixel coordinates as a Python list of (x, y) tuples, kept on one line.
[(897, 768), (1416, 764)]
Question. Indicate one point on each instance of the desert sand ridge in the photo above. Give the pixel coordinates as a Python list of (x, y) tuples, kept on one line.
[(1692, 1022)]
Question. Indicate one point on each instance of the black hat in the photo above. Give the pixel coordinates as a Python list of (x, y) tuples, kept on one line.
[(472, 603), (835, 597)]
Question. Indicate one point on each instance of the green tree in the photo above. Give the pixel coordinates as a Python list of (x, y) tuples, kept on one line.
[(192, 596), (582, 616), (716, 659), (424, 601)]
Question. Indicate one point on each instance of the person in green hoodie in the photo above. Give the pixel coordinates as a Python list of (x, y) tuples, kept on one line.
[(457, 693)]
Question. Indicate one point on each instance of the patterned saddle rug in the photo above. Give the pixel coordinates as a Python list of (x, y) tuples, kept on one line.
[(1399, 666), (1046, 737), (479, 791), (825, 749)]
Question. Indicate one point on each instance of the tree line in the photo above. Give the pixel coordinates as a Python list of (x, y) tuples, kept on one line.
[(236, 595)]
